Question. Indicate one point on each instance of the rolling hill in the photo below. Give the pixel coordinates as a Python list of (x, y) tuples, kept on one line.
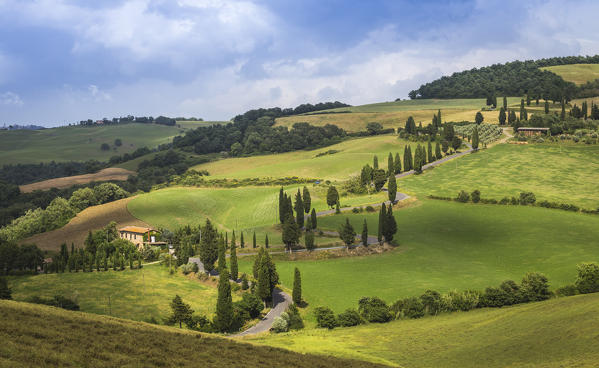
[(576, 73)]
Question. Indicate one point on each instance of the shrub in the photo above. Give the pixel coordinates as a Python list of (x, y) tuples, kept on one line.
[(527, 198), (370, 209), (463, 197), (244, 282), (512, 292), (460, 301), (504, 200), (325, 318), (188, 268), (567, 290), (355, 210), (408, 308), (514, 200), (431, 300), (252, 304), (494, 298), (374, 310), (535, 287), (295, 320), (349, 318), (475, 196), (587, 280), (280, 325), (104, 147)]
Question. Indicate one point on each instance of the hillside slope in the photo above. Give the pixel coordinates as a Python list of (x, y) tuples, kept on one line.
[(556, 333), (34, 335)]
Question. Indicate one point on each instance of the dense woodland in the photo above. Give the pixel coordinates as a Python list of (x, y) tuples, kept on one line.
[(512, 79)]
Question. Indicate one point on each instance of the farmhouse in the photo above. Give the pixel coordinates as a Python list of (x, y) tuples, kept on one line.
[(139, 235), (530, 131)]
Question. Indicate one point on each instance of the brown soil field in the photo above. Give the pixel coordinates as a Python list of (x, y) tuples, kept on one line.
[(92, 218), (111, 173)]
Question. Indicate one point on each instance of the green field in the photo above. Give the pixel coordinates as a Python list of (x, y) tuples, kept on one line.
[(193, 124), (241, 208), (134, 294), (80, 143), (555, 333), (554, 172), (41, 336), (576, 73), (352, 156), (446, 246)]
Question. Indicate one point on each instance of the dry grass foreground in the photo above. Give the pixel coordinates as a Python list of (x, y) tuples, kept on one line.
[(111, 173), (92, 218), (41, 336)]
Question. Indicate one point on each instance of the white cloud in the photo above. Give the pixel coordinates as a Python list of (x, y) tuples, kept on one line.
[(97, 94), (10, 99)]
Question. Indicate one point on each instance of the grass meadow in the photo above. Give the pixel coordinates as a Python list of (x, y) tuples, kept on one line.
[(554, 172), (576, 73), (41, 336), (555, 333), (79, 143), (134, 294), (445, 246)]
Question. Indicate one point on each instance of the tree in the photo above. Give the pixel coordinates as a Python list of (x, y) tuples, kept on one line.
[(502, 116), (585, 109), (429, 151), (478, 119), (456, 143), (118, 142), (562, 116), (182, 313), (504, 102), (296, 295), (309, 240), (104, 147), (410, 125), (444, 146), (475, 196), (379, 177), (266, 242), (375, 163), (587, 280), (291, 233), (418, 160), (223, 318), (332, 196), (282, 204), (527, 99), (475, 138), (313, 219), (546, 107), (366, 175), (382, 214), (208, 246), (241, 241), (397, 164), (254, 240), (438, 155), (268, 278), (5, 291), (365, 233), (392, 188), (390, 225), (390, 165), (307, 200), (299, 209), (347, 233), (407, 158), (222, 260)]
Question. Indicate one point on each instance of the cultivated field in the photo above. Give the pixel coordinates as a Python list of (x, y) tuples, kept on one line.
[(576, 73), (352, 155), (111, 173), (555, 333), (446, 246), (40, 336), (92, 218), (80, 143), (554, 172), (133, 294)]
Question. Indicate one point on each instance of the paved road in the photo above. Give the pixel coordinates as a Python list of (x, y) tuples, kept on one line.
[(280, 302)]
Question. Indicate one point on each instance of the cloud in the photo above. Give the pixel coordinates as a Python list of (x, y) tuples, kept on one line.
[(10, 99), (97, 94)]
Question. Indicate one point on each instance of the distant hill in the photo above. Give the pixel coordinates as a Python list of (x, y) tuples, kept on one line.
[(510, 79), (36, 335)]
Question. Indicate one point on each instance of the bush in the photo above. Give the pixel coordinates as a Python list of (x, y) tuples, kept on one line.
[(535, 287), (104, 147), (494, 298), (349, 318), (567, 290), (280, 325), (355, 210), (512, 292), (408, 308), (587, 280), (188, 268), (504, 201), (475, 196), (244, 282), (325, 318), (295, 320), (252, 304), (370, 209), (527, 198), (463, 197), (374, 310), (460, 301)]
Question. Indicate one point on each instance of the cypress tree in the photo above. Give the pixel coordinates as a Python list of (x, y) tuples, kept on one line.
[(222, 260), (382, 213), (546, 107), (309, 240), (397, 163), (268, 278), (299, 209), (563, 114), (291, 233), (430, 152), (475, 138), (209, 246), (233, 261), (282, 203), (223, 318), (502, 116), (226, 241), (439, 121), (182, 312), (527, 100), (504, 102), (390, 226), (585, 109), (289, 207), (313, 219), (375, 162), (479, 118), (390, 165), (307, 200), (392, 188), (266, 241), (438, 154), (296, 295), (233, 241), (241, 242), (254, 241), (256, 265), (365, 233), (347, 233)]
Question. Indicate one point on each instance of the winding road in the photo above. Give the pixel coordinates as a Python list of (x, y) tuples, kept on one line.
[(281, 300)]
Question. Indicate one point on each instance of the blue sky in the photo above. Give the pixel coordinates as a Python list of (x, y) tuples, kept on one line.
[(63, 61)]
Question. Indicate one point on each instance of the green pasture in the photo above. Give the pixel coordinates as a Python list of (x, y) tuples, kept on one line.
[(554, 333), (134, 294), (79, 143), (352, 155), (555, 172), (576, 73), (445, 246)]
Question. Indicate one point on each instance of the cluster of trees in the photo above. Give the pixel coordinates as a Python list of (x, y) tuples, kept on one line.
[(162, 120), (512, 79), (293, 224), (20, 174), (387, 228), (16, 259), (533, 287), (60, 211)]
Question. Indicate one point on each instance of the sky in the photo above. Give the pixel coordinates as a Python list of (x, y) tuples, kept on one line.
[(63, 61)]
